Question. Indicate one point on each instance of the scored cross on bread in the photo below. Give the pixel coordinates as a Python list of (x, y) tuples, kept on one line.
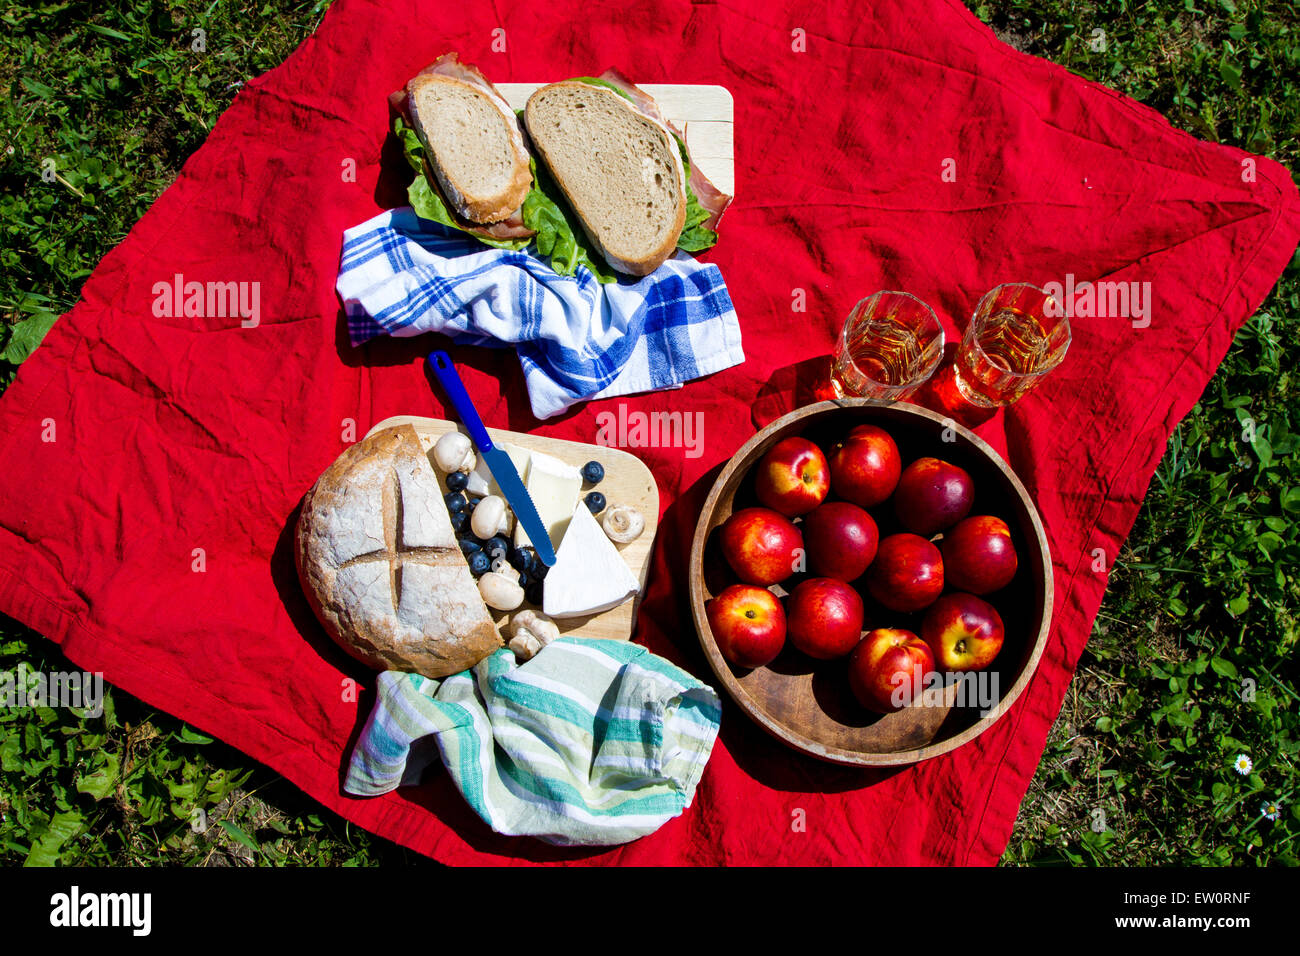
[(381, 566)]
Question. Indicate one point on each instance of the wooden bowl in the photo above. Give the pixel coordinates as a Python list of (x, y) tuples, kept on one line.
[(807, 703)]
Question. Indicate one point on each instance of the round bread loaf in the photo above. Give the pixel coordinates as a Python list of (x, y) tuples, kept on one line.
[(380, 564)]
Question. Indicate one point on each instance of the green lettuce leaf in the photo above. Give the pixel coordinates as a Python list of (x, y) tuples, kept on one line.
[(695, 237)]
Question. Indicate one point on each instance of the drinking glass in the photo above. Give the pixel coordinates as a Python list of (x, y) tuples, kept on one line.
[(1017, 335), (890, 344)]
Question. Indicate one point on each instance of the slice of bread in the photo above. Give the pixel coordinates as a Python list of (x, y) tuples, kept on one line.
[(619, 169), (473, 143)]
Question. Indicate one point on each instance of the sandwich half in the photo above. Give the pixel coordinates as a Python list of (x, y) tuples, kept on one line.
[(619, 168), (472, 140)]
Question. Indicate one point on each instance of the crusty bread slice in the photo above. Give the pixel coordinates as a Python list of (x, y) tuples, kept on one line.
[(619, 169), (473, 144)]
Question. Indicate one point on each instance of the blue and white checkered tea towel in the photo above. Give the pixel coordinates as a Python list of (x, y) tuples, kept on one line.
[(577, 338), (592, 742)]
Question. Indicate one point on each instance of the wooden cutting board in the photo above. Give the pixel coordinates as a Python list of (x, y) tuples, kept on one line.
[(627, 481), (705, 114)]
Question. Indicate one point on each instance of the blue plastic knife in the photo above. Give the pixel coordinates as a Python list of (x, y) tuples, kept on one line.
[(503, 469)]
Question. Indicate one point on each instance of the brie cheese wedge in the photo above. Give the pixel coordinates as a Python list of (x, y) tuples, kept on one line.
[(554, 488), (590, 575)]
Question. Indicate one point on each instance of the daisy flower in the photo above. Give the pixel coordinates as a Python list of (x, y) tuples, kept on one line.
[(1269, 810), (1242, 764)]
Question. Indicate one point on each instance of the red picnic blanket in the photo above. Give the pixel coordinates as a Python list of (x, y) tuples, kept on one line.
[(154, 465)]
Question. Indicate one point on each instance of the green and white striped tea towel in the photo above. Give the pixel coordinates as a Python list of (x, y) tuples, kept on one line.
[(592, 742)]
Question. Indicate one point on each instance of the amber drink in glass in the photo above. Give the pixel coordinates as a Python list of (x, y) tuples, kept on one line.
[(890, 344), (1017, 335)]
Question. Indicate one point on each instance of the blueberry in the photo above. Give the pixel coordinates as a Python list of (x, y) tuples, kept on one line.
[(497, 547), (518, 558), (457, 481), (455, 501), (479, 563), (593, 472), (459, 521), (534, 593), (595, 502), (473, 503), (469, 545), (537, 569), (524, 580)]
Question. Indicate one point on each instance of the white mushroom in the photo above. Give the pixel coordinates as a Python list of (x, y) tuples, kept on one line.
[(622, 523), (532, 632), (454, 452), (489, 516), (500, 591)]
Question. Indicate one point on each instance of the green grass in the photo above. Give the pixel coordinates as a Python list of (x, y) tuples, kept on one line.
[(1138, 767)]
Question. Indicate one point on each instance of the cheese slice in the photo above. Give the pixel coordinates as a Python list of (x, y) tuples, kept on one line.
[(482, 483), (554, 488), (590, 575)]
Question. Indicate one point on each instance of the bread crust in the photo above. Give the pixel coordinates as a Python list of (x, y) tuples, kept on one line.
[(480, 209), (433, 621), (652, 260)]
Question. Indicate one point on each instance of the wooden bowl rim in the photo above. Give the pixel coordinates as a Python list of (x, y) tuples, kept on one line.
[(792, 737)]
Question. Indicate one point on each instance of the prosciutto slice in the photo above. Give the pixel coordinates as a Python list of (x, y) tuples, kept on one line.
[(712, 199)]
